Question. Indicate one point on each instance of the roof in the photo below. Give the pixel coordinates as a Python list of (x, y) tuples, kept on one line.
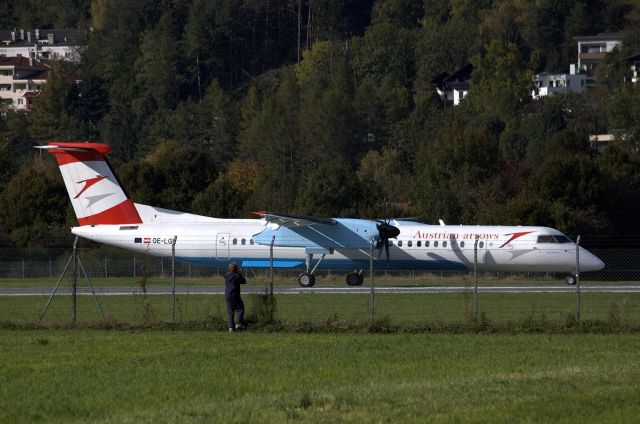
[(602, 36), (60, 36), (21, 62), (37, 74), (458, 78)]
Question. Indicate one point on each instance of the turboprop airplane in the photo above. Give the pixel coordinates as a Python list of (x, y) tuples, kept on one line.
[(106, 214)]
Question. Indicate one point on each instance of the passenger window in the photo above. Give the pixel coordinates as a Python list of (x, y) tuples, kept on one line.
[(409, 243), (435, 243), (235, 241), (426, 243), (390, 242), (400, 243), (444, 244), (251, 242), (461, 244), (418, 243), (481, 244), (243, 242)]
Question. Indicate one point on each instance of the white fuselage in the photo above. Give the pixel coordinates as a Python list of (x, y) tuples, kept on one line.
[(215, 242)]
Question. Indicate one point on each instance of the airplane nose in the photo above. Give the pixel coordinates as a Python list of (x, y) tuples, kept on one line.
[(590, 262)]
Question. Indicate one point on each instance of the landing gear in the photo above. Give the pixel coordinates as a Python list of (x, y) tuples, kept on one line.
[(571, 279), (306, 279), (354, 279)]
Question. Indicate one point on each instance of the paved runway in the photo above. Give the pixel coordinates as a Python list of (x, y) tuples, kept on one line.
[(204, 290)]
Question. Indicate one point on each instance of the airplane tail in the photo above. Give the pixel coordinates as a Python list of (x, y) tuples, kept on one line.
[(94, 189)]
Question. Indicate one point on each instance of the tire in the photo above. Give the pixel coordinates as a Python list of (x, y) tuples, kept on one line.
[(306, 280), (354, 279), (571, 279)]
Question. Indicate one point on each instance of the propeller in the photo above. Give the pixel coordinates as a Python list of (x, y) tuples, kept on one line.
[(386, 231)]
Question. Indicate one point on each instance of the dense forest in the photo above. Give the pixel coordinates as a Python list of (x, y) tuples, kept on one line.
[(327, 107)]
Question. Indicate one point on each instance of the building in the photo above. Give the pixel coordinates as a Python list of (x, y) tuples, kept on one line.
[(41, 44), (558, 83), (591, 51), (452, 88), (21, 79)]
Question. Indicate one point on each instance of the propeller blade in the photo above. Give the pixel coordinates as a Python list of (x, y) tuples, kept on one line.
[(387, 231)]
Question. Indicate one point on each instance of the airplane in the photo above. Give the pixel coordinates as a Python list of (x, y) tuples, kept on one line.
[(106, 214)]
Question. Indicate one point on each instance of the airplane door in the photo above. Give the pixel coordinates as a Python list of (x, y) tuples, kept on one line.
[(483, 252), (222, 246)]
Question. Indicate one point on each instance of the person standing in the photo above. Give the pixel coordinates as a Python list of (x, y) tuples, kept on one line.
[(232, 281)]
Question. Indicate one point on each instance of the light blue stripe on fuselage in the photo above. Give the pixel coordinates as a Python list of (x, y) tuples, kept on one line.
[(329, 264)]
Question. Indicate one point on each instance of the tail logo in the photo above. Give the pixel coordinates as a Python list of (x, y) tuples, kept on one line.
[(88, 183)]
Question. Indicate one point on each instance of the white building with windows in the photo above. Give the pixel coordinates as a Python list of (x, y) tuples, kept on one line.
[(41, 44), (591, 51), (21, 79), (551, 83)]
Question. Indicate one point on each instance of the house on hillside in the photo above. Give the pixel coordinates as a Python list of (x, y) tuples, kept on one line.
[(21, 79), (452, 88), (558, 83), (41, 44), (591, 51)]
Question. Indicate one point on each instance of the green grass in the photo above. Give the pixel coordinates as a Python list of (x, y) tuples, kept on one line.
[(405, 310), (323, 280), (166, 376)]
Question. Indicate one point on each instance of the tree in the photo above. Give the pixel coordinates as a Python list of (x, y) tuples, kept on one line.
[(328, 190), (50, 118), (33, 199), (501, 82), (169, 176), (382, 178), (451, 172)]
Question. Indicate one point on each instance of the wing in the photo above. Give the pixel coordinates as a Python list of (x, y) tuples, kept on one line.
[(294, 221)]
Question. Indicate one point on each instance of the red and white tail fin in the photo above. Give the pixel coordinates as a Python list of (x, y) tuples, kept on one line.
[(96, 193)]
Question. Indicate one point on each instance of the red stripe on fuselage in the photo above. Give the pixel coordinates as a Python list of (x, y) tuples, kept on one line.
[(123, 213)]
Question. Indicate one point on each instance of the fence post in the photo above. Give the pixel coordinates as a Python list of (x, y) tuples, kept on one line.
[(134, 267), (372, 300), (50, 269), (578, 279), (161, 268), (23, 268), (475, 281), (173, 276), (106, 274), (74, 282), (273, 240)]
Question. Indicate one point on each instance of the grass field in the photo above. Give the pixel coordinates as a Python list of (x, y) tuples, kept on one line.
[(408, 311), (172, 376), (324, 279)]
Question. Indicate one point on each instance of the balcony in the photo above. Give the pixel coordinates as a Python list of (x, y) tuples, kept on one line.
[(592, 56)]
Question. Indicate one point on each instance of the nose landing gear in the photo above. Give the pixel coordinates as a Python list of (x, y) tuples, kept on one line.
[(571, 279)]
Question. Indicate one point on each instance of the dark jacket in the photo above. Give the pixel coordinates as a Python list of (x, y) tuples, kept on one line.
[(232, 283)]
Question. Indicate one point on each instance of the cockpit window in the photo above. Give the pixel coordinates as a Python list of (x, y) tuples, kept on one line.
[(546, 239), (562, 239)]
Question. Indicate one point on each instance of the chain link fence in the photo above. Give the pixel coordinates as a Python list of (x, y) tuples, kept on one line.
[(136, 287)]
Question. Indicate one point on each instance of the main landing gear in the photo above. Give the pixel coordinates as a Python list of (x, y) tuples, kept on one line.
[(355, 278), (306, 279)]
